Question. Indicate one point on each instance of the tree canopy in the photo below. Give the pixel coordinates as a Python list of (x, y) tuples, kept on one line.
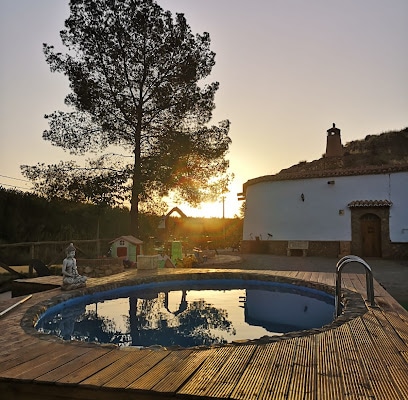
[(137, 77)]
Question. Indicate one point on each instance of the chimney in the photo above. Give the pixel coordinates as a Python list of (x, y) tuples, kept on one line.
[(334, 148)]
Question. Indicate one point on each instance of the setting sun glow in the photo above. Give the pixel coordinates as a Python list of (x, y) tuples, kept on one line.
[(214, 209)]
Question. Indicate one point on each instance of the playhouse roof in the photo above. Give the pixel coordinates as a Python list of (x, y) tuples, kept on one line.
[(128, 238)]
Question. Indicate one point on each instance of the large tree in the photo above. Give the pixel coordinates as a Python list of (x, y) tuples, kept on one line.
[(136, 74)]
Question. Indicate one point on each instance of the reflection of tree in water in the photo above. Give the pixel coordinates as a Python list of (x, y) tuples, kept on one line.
[(200, 318), (95, 328), (193, 324), (74, 323), (149, 322)]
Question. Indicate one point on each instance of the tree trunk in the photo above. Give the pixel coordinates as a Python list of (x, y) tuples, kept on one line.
[(134, 203), (136, 187)]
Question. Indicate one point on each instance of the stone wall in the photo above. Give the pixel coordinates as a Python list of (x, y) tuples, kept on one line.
[(322, 249), (279, 248), (99, 267), (399, 251)]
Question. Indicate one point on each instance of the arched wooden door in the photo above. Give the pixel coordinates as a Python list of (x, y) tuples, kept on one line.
[(370, 225)]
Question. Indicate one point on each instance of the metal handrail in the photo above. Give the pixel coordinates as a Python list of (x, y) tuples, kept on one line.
[(369, 280)]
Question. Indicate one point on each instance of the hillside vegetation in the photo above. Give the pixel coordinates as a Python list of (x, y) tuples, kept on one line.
[(385, 149), (388, 148)]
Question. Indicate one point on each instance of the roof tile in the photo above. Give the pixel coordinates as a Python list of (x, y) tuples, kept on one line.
[(369, 203)]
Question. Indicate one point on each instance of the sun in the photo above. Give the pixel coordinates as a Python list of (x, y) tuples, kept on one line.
[(205, 210), (228, 208)]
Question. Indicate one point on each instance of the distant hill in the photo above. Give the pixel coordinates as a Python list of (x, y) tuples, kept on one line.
[(385, 149)]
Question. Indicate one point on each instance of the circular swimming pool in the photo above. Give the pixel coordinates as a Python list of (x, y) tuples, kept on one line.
[(189, 313)]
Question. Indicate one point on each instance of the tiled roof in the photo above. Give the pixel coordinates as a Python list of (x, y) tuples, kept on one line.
[(370, 203), (327, 173)]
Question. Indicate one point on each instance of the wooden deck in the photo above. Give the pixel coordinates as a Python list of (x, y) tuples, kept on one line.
[(363, 358)]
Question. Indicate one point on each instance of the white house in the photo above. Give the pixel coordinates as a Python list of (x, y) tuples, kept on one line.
[(329, 210)]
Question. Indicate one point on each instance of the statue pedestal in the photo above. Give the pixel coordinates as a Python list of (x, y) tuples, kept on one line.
[(73, 286)]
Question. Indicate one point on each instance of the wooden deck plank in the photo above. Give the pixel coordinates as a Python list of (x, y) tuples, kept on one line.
[(207, 373), (314, 277), (292, 274), (128, 360), (257, 370), (381, 383), (56, 362), (300, 275), (356, 384), (309, 369), (139, 367), (44, 363), (390, 352), (400, 326), (177, 376), (330, 383), (303, 382), (308, 276), (352, 282), (326, 278), (8, 352), (385, 329), (360, 283), (388, 303), (347, 283), (59, 373), (84, 372), (384, 302), (230, 373), (276, 385), (11, 330), (29, 353), (159, 371)]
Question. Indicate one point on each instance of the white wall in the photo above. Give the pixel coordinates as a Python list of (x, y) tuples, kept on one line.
[(399, 209), (276, 207)]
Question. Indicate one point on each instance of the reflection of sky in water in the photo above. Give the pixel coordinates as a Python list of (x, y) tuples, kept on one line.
[(118, 312), (116, 309), (176, 315)]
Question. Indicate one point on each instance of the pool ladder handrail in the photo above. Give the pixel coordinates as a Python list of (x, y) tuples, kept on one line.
[(369, 280)]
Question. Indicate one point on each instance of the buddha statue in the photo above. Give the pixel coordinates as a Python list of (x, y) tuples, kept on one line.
[(71, 279)]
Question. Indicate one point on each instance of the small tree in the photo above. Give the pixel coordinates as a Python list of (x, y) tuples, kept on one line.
[(134, 72)]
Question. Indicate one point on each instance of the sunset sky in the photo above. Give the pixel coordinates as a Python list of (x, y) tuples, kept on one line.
[(287, 70)]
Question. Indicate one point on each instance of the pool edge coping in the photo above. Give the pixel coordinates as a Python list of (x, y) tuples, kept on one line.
[(353, 305)]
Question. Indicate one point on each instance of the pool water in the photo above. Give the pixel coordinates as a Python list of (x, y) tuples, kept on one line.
[(186, 314)]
